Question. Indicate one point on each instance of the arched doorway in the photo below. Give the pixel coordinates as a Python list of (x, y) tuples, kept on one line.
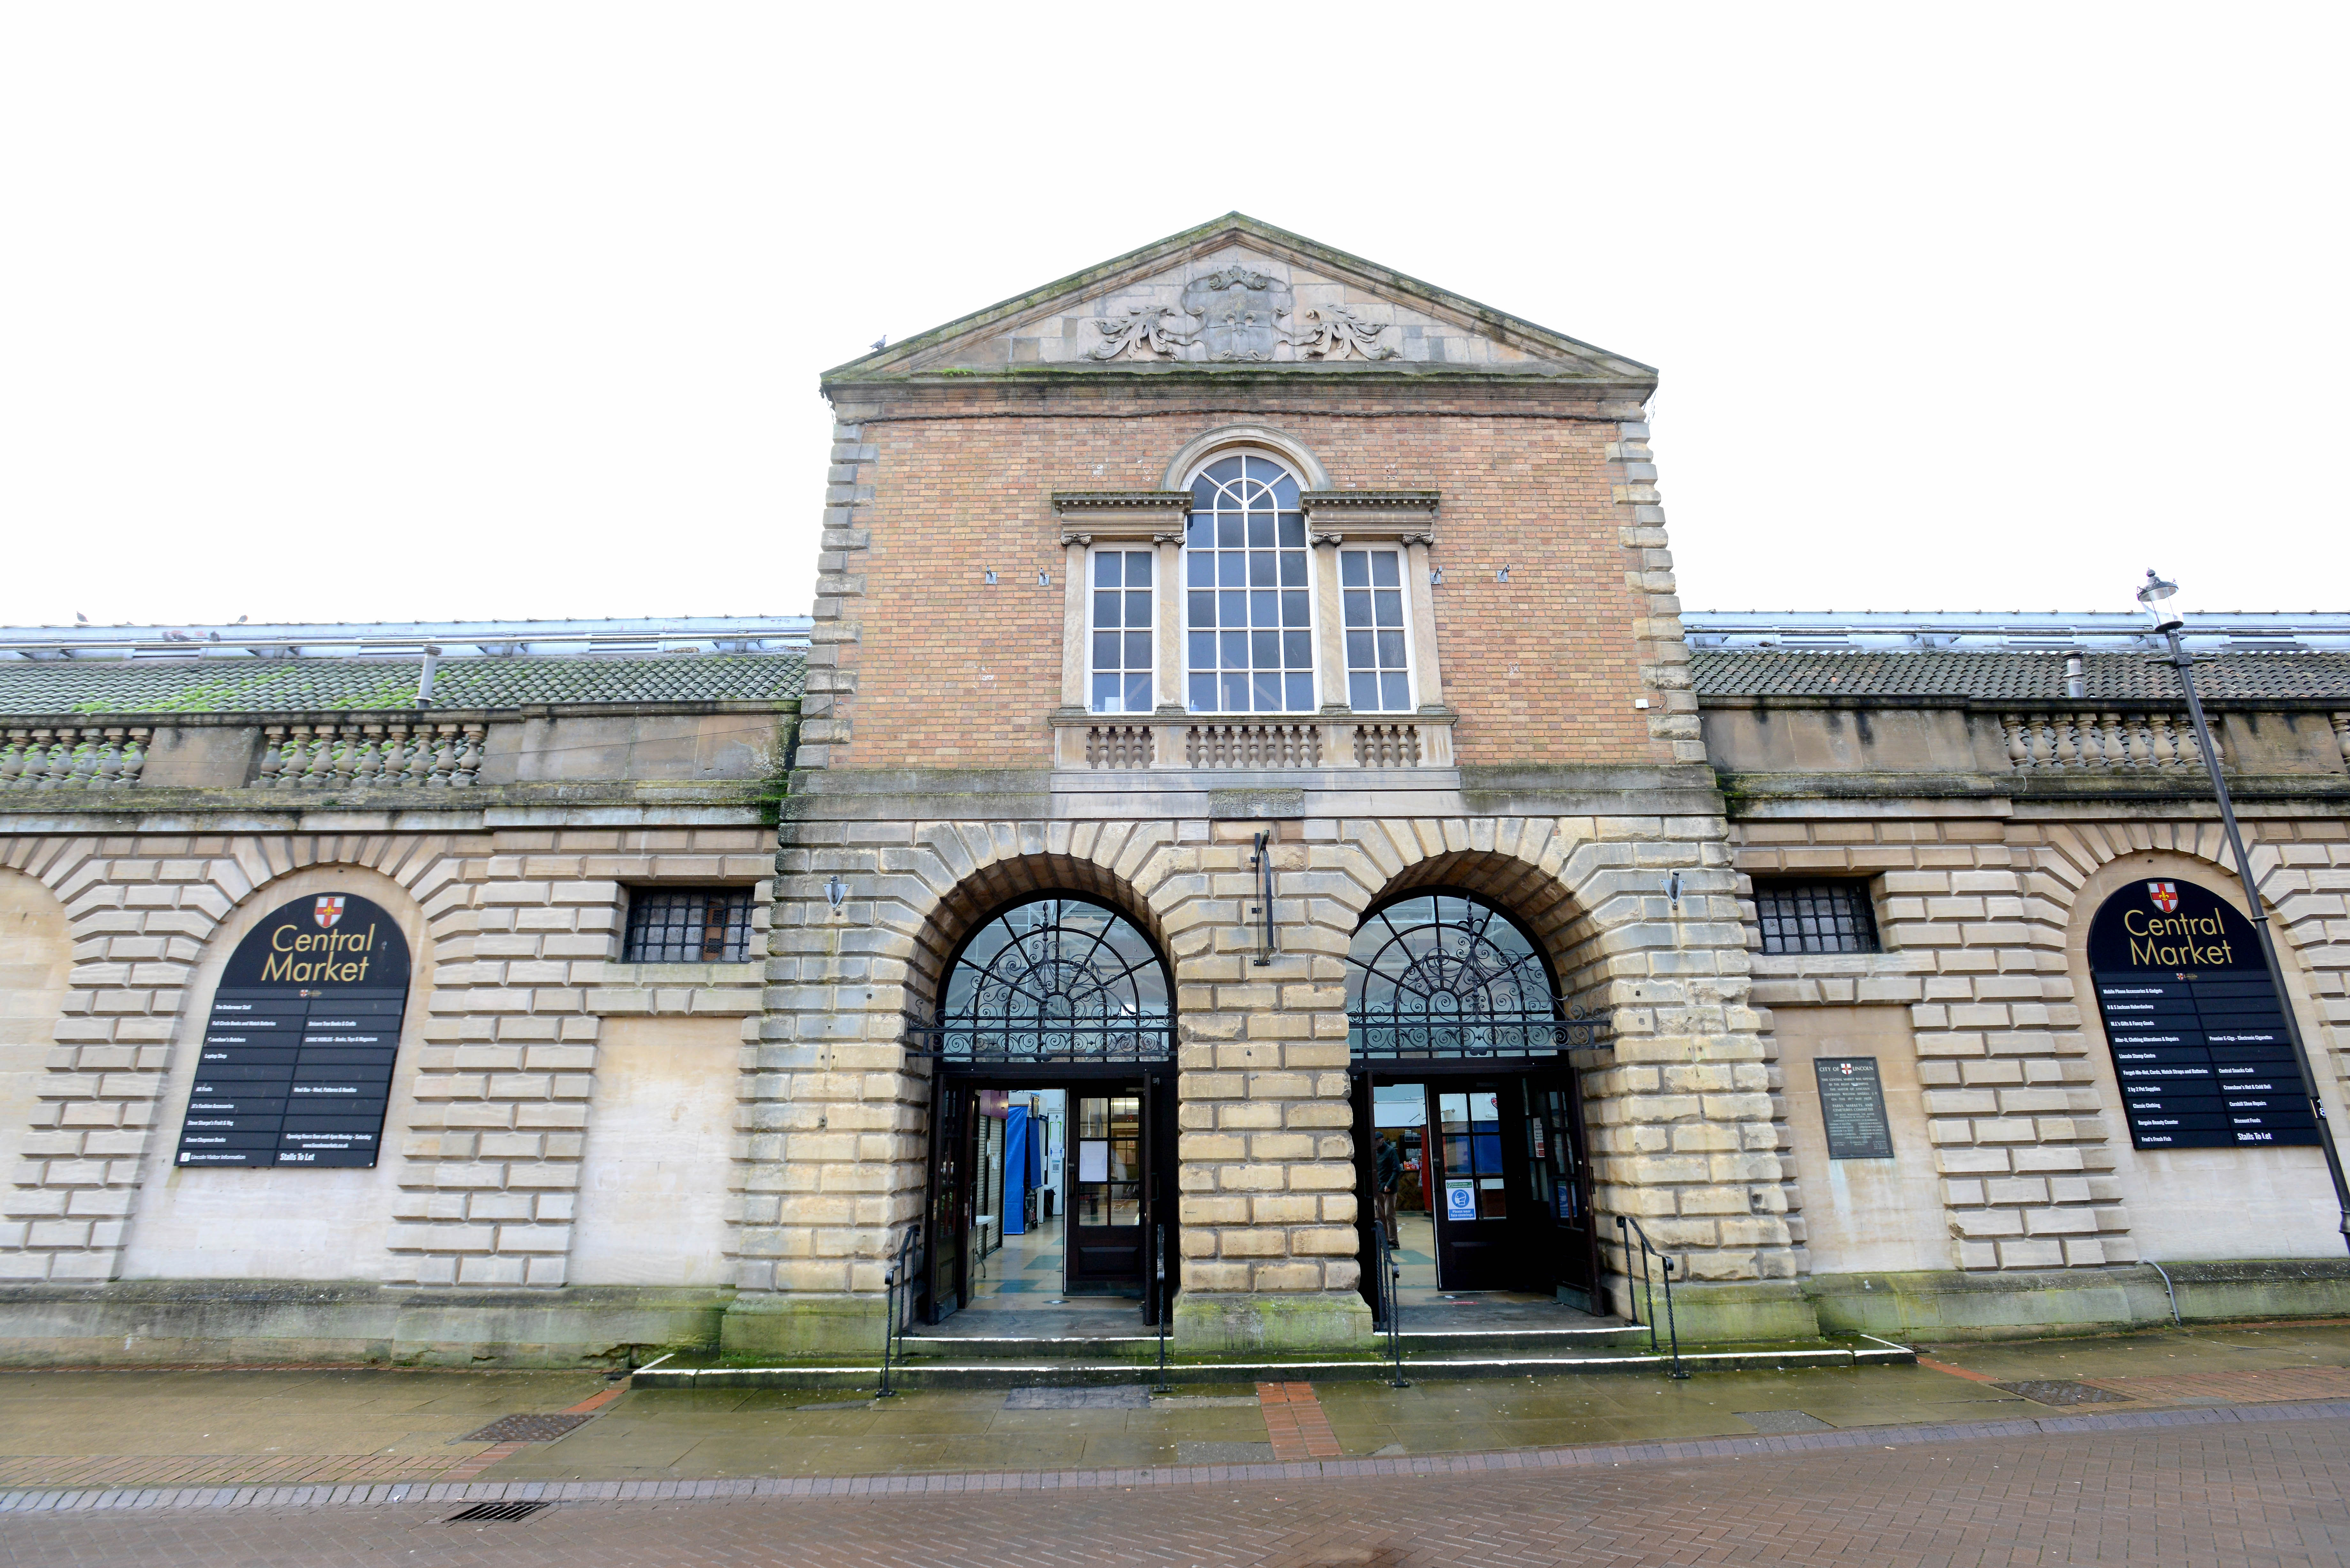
[(1467, 1109), (1053, 1110)]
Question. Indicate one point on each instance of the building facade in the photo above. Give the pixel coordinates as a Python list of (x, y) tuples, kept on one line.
[(1246, 706)]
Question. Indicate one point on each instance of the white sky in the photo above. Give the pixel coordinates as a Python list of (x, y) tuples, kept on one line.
[(333, 312)]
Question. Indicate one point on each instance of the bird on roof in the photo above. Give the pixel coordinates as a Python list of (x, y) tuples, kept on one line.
[(881, 342), (80, 619)]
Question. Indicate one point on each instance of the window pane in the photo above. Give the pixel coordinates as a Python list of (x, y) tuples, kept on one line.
[(1284, 490), (1203, 693), (1232, 606), (1292, 531), (1236, 650), (1137, 693), (1268, 693), (1358, 650), (1137, 569), (1203, 650), (1203, 610), (1293, 607), (687, 925), (1358, 606), (1261, 569), (1393, 697), (1104, 650), (1105, 566), (1137, 650), (1236, 694), (1138, 608), (1300, 693), (1231, 570), (1265, 607), (1104, 610), (1260, 530), (1105, 694), (1390, 603), (1384, 572), (1227, 531), (1199, 569), (1201, 532), (1353, 570), (1297, 649), (1363, 692), (1293, 568), (1264, 650), (1390, 650)]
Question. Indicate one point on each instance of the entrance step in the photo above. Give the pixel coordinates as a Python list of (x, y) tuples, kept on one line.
[(1475, 1344), (1130, 1362)]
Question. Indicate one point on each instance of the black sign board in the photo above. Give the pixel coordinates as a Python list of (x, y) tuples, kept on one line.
[(2197, 1030), (1852, 1103), (296, 1064)]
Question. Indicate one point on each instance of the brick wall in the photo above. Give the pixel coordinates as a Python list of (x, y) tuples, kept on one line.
[(930, 667)]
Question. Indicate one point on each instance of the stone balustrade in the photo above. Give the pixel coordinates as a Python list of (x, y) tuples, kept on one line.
[(2095, 738), (72, 756), (1156, 742), (369, 754)]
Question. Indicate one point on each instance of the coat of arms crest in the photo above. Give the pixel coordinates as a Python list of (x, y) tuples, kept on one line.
[(2165, 896), (1241, 306), (329, 911)]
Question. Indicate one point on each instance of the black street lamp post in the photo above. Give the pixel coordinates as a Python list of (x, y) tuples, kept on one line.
[(2156, 597)]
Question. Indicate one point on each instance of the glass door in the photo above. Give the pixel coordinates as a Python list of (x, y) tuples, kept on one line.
[(1107, 1245), (949, 1208), (1561, 1236), (1470, 1188)]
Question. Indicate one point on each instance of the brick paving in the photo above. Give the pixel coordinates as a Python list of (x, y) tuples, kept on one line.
[(2265, 1486), (1296, 1421), (2238, 1387)]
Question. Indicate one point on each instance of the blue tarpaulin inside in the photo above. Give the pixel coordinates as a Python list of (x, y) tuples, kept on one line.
[(1017, 1142)]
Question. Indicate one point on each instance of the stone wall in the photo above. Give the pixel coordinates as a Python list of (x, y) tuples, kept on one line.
[(1984, 909)]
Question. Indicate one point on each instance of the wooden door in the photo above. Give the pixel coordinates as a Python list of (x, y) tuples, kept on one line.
[(1107, 1245)]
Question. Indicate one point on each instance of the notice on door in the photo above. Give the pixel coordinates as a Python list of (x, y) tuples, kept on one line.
[(1093, 1159), (1460, 1198), (1852, 1104), (296, 1064)]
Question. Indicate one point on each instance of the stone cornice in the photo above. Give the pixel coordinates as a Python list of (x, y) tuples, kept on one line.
[(1406, 516), (1124, 515)]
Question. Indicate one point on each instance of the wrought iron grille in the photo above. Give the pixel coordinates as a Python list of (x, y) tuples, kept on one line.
[(1815, 916), (1056, 981), (1444, 975), (687, 925)]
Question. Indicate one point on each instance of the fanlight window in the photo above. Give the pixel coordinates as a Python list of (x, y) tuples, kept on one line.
[(1056, 981), (1446, 975), (1248, 611)]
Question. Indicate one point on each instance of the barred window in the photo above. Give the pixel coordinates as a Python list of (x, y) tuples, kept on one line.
[(1816, 917), (689, 925)]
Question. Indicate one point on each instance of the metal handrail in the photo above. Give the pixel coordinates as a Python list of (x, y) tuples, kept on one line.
[(1159, 1257), (1646, 1252), (893, 1322), (1391, 1275)]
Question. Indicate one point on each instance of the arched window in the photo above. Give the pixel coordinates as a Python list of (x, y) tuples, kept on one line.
[(1058, 980), (1449, 975), (1248, 590)]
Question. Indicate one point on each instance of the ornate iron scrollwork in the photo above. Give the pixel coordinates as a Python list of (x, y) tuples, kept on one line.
[(1448, 976), (1056, 981)]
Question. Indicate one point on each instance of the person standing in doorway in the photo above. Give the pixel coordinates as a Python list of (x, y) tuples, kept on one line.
[(1390, 1175)]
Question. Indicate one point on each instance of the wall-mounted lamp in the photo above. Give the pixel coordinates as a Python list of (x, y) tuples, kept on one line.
[(1043, 579), (834, 890), (1436, 577), (1673, 888), (1503, 576), (990, 575)]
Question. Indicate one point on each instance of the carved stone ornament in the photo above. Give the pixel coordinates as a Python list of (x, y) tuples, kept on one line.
[(1335, 331), (1241, 307), (1144, 327)]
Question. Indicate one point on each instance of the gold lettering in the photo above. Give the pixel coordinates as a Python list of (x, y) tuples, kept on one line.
[(2136, 930), (276, 969), (275, 945)]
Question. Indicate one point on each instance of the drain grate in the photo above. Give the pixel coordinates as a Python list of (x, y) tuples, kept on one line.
[(496, 1512), (2062, 1391), (526, 1428)]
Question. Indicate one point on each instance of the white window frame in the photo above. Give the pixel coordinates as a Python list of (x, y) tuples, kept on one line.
[(1405, 587), (1123, 547), (1315, 674)]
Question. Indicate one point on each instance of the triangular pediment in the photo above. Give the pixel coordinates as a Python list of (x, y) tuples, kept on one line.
[(1238, 293)]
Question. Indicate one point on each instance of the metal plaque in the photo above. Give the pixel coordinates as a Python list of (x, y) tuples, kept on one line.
[(296, 1064), (1852, 1104), (2196, 1028)]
